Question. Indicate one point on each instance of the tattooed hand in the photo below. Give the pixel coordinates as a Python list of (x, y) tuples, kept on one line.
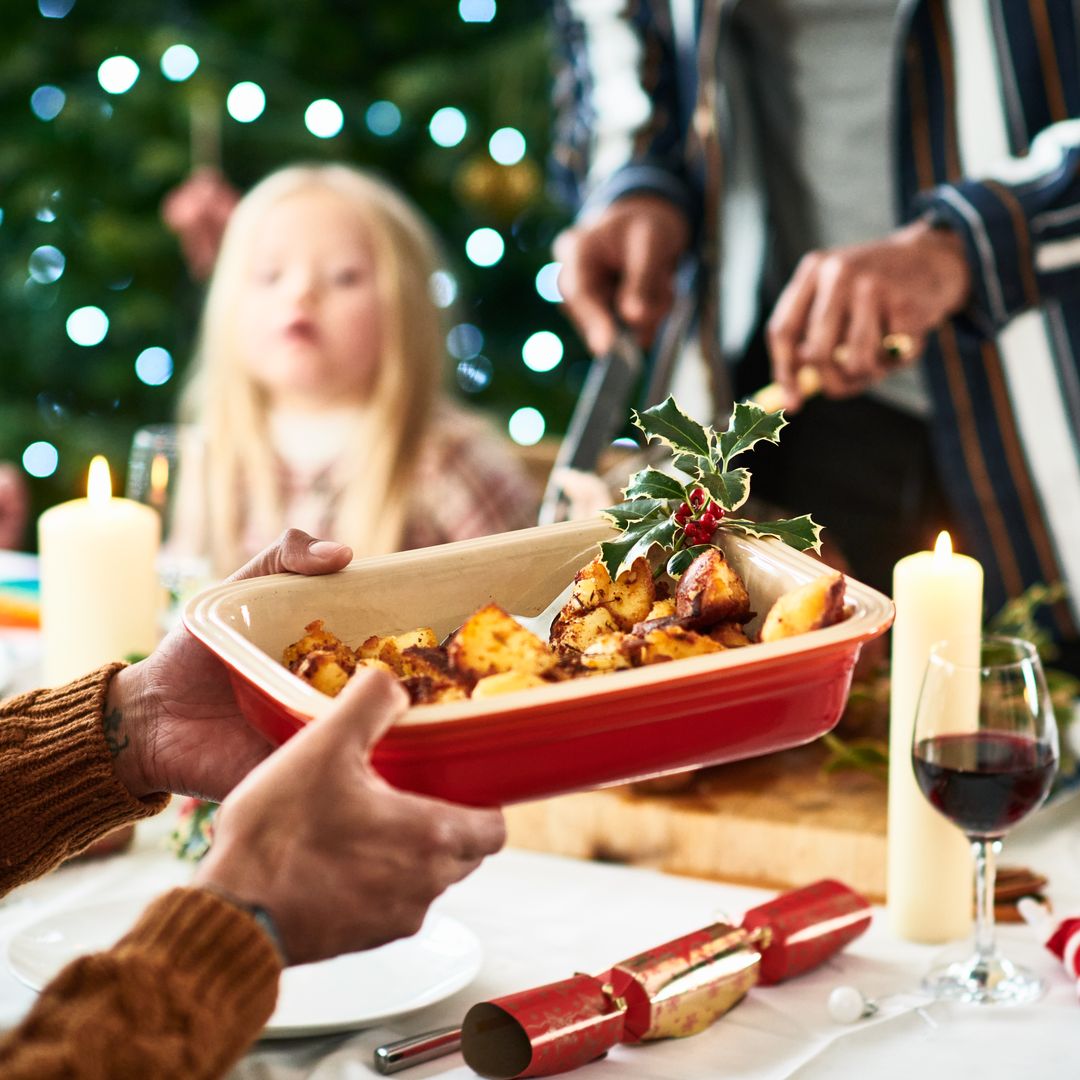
[(171, 721)]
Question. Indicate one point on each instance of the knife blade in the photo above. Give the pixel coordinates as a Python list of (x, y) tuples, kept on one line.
[(599, 413)]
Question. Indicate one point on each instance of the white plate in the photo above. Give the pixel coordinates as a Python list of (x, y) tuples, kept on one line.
[(348, 992)]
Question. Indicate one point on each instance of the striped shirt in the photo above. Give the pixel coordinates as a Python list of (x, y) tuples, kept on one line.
[(985, 119)]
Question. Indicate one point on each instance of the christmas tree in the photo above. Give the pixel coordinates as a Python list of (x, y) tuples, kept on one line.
[(106, 108)]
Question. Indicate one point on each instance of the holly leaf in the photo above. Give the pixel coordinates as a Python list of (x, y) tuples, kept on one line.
[(730, 489), (694, 465), (749, 425), (668, 423), (654, 484), (635, 510), (678, 562), (801, 533), (638, 540)]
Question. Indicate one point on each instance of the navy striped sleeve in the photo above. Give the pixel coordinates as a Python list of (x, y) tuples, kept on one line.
[(1021, 229), (618, 127)]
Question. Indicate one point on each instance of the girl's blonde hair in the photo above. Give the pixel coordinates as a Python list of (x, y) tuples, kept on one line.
[(243, 476)]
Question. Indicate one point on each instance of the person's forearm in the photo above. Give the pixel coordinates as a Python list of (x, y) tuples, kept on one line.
[(183, 994), (59, 790)]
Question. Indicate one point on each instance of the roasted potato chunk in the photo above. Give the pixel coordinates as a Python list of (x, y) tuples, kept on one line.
[(316, 639), (490, 641), (325, 670), (578, 634), (730, 635), (606, 653), (321, 658), (389, 649), (505, 682), (627, 599), (710, 592), (669, 643), (426, 691), (816, 604)]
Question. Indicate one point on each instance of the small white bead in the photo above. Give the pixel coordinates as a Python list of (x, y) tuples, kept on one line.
[(847, 1004)]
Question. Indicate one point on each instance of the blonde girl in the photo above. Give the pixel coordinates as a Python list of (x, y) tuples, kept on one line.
[(317, 380)]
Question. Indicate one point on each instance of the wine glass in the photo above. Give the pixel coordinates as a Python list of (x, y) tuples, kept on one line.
[(984, 751), (165, 471)]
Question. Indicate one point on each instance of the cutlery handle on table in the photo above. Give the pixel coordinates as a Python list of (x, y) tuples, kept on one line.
[(395, 1056)]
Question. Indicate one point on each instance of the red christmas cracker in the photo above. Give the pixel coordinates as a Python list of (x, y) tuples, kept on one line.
[(675, 989)]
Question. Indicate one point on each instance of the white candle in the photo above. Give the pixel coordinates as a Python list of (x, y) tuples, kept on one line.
[(938, 596), (100, 596)]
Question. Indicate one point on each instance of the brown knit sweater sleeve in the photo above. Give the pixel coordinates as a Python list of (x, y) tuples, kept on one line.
[(58, 791), (182, 995)]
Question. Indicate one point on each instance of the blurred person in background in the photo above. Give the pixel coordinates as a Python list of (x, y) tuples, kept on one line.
[(318, 381), (779, 143)]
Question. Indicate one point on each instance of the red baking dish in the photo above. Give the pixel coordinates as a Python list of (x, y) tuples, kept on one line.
[(567, 736)]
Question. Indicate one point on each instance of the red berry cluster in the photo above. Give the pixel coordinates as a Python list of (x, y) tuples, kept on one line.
[(699, 517)]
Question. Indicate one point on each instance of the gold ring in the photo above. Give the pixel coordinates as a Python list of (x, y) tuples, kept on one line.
[(896, 347)]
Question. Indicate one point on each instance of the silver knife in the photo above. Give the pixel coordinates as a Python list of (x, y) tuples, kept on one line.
[(599, 413)]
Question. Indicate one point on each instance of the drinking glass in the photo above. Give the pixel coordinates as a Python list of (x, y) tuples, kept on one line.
[(165, 471), (984, 751)]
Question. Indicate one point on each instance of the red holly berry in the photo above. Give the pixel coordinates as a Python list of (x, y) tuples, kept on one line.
[(697, 497)]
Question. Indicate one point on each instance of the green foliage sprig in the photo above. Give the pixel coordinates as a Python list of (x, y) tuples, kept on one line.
[(681, 517)]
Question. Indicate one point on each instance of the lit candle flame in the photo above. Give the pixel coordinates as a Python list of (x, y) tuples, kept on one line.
[(99, 482), (943, 548), (159, 479)]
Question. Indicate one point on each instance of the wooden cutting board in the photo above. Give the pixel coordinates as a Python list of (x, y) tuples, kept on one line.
[(777, 822)]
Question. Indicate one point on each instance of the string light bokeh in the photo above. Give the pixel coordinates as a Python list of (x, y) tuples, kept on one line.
[(102, 292)]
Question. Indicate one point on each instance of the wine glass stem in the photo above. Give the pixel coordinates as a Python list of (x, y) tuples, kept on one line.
[(985, 853)]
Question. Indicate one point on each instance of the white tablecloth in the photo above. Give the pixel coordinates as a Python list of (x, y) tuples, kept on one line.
[(541, 918)]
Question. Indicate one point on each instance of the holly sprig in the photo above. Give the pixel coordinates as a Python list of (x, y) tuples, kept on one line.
[(682, 517)]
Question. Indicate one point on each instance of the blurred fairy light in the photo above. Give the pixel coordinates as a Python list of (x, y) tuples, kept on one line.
[(476, 11), (484, 247), (442, 287), (1, 215), (245, 102), (474, 374), (507, 146), (45, 214), (382, 118), (154, 366), (324, 118), (55, 9), (46, 264), (447, 126), (117, 75), (464, 341), (40, 459), (542, 351), (87, 325), (526, 426), (47, 101), (547, 282), (178, 62)]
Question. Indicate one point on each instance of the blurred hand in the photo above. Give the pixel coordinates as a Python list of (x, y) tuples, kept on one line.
[(14, 506), (908, 283), (197, 211), (341, 860), (174, 714), (622, 265)]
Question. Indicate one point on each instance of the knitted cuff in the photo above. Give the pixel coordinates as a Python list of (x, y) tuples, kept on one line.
[(219, 946), (58, 790)]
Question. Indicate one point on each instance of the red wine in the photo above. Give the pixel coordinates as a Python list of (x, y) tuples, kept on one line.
[(985, 781)]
